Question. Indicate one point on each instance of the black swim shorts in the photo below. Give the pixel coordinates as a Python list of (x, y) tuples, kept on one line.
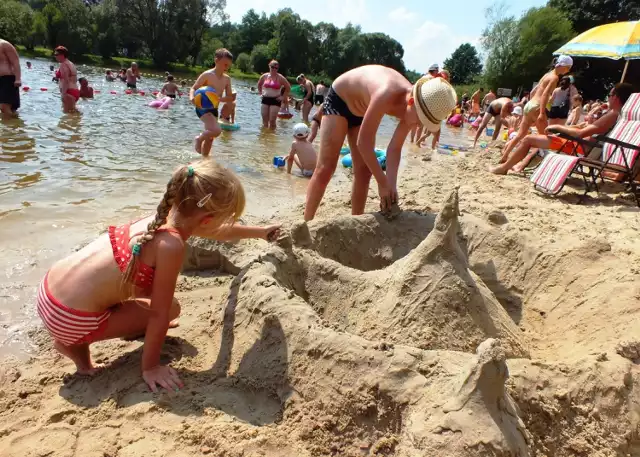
[(9, 93), (131, 85), (270, 101), (334, 105)]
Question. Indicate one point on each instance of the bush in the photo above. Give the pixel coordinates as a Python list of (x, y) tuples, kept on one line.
[(260, 58), (243, 62)]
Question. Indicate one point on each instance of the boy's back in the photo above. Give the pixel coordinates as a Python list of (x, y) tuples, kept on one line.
[(306, 154)]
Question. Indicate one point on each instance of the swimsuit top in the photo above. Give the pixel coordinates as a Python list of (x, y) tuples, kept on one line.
[(119, 237), (270, 83)]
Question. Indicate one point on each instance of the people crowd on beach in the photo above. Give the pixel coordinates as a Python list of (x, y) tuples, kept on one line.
[(133, 268)]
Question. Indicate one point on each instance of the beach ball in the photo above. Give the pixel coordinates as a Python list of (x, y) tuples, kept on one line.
[(206, 98)]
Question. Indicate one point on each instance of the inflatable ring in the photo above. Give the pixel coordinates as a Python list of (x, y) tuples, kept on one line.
[(285, 115), (229, 127), (347, 161)]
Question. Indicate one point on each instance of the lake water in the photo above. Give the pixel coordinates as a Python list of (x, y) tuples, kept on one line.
[(65, 177)]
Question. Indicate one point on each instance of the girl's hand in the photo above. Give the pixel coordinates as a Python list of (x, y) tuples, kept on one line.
[(163, 376), (271, 233)]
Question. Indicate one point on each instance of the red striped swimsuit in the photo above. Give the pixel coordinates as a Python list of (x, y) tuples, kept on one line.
[(71, 326)]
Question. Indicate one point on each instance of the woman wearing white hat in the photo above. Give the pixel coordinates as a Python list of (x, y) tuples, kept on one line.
[(353, 108), (498, 109), (534, 110)]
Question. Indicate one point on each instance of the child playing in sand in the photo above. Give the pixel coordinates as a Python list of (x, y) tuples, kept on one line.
[(353, 108), (302, 151), (123, 283), (228, 111), (221, 82), (534, 110), (169, 89), (86, 91)]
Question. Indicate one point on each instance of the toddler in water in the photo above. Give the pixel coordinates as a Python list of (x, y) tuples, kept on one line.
[(302, 152), (221, 82), (123, 283), (228, 111), (86, 91)]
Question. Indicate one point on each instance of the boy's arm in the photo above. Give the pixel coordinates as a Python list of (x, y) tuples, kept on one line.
[(394, 152), (228, 96), (233, 232), (292, 154), (367, 135), (202, 79)]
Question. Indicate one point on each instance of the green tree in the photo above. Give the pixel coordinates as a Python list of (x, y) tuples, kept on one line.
[(464, 64), (378, 48), (207, 54), (500, 41), (106, 28), (261, 55), (16, 20), (243, 62), (585, 14)]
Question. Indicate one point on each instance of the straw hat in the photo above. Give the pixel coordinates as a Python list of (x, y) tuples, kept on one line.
[(434, 100)]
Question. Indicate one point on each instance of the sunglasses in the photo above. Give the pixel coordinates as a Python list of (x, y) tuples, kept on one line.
[(274, 66)]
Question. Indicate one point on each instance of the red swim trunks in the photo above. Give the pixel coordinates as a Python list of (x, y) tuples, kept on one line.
[(566, 146), (75, 93)]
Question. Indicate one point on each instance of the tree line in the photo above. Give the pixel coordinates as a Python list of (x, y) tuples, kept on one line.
[(517, 50), (189, 31)]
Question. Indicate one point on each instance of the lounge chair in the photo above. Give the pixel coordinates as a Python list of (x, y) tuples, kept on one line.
[(618, 160)]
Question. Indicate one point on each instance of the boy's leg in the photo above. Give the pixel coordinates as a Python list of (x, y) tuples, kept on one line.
[(483, 124), (538, 141), (522, 132), (497, 127), (212, 130), (332, 135), (361, 174), (436, 139)]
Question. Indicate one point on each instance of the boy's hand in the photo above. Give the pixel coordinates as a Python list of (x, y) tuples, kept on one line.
[(271, 233), (388, 196)]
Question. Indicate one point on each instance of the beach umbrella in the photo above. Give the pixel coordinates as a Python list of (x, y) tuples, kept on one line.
[(619, 40)]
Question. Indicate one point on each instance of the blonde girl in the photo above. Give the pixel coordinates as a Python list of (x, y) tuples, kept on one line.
[(123, 283)]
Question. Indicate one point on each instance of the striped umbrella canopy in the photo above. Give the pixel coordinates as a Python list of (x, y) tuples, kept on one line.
[(619, 40)]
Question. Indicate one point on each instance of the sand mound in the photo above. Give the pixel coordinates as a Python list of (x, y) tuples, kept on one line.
[(428, 298)]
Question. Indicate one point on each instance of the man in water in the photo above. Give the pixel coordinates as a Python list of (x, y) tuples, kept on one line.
[(10, 75), (133, 75), (353, 108), (68, 83)]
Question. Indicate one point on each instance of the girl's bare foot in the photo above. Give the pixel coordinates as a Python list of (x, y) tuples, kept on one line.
[(197, 145), (80, 355)]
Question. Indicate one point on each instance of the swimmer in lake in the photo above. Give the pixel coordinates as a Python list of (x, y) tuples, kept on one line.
[(302, 151), (534, 110), (219, 80), (132, 76), (169, 89), (353, 108), (68, 80), (86, 91), (109, 76), (269, 86), (10, 79), (308, 96)]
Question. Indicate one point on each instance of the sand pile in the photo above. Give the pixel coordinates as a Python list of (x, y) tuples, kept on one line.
[(495, 332)]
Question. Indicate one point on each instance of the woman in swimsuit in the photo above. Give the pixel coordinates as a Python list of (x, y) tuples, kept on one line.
[(68, 80), (123, 283), (307, 100), (269, 87), (498, 109), (539, 97)]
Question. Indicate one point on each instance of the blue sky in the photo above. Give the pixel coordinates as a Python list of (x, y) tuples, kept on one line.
[(429, 31)]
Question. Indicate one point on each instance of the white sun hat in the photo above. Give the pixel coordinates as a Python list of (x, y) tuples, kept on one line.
[(564, 61), (301, 130), (517, 111), (434, 67), (434, 100)]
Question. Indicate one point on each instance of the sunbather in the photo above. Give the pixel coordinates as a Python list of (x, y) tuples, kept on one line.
[(617, 98)]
